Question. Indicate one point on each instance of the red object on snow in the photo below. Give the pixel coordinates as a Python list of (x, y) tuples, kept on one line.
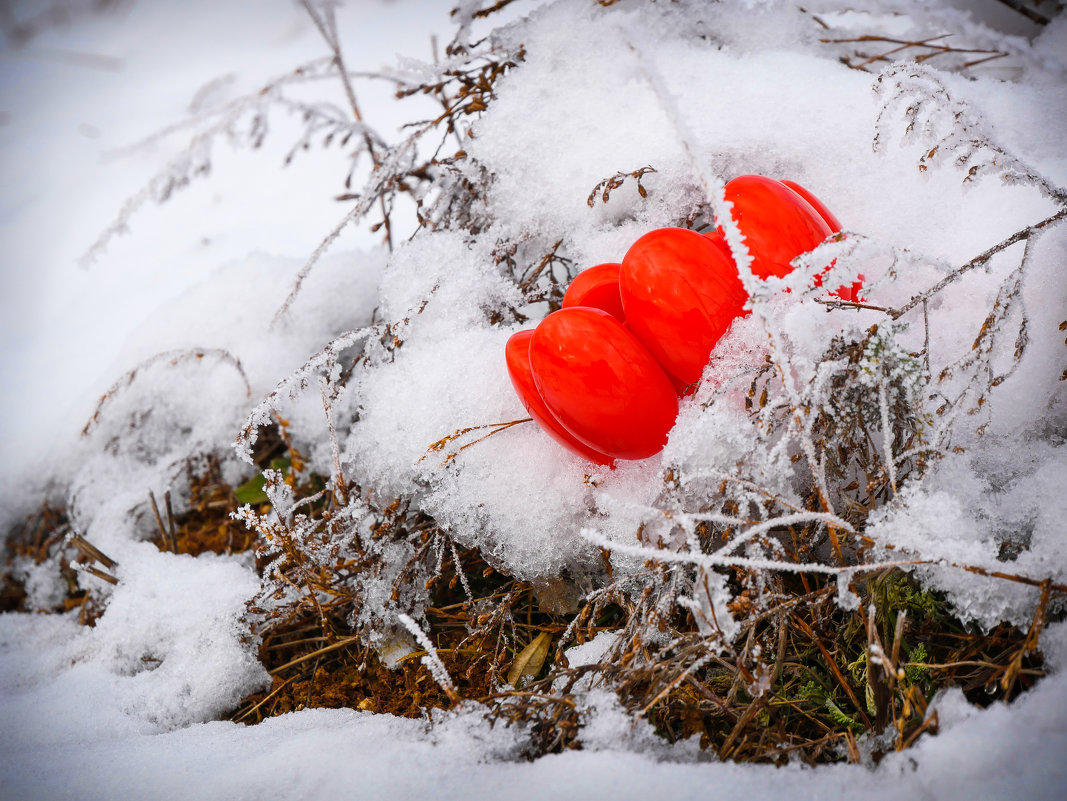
[(601, 384), (680, 293), (602, 375), (777, 223), (827, 215), (517, 354), (850, 293), (597, 287)]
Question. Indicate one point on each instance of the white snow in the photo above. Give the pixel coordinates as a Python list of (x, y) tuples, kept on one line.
[(128, 708), (64, 737)]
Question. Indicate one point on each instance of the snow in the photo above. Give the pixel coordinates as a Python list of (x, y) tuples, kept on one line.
[(63, 149), (81, 747), (128, 708)]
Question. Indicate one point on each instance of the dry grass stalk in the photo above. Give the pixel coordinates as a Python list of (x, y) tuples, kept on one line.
[(347, 572)]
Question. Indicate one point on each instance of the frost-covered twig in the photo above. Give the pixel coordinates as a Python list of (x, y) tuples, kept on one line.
[(459, 570), (979, 261), (431, 660), (396, 169), (325, 361), (326, 22), (887, 433), (723, 475), (194, 159), (355, 214), (328, 392), (713, 560), (948, 127), (174, 357)]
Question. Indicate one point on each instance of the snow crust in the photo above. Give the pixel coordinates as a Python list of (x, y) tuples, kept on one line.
[(65, 738), (126, 709)]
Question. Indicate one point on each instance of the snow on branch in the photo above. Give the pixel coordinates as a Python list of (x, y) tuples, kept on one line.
[(244, 121), (173, 358), (950, 128), (713, 560), (324, 363)]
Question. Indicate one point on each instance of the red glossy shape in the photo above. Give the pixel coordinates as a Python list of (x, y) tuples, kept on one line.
[(680, 291), (827, 215), (517, 355), (681, 388), (716, 239), (597, 287), (777, 223), (850, 293), (601, 384)]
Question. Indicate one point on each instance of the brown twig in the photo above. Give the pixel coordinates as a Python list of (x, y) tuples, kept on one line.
[(1033, 636), (1031, 14), (931, 44), (978, 261), (832, 664), (164, 536), (319, 652), (327, 27), (100, 574), (92, 551), (495, 428)]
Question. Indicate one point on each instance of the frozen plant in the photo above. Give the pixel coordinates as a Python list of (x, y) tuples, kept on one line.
[(800, 511)]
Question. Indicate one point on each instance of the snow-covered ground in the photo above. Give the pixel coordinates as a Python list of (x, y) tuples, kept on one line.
[(65, 736), (601, 90)]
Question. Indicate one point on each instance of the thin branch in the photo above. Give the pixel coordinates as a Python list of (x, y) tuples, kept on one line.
[(354, 214), (1026, 11), (327, 26), (431, 660), (174, 357), (978, 261), (90, 550)]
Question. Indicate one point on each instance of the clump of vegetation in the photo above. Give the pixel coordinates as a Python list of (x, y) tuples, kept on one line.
[(803, 678), (750, 608)]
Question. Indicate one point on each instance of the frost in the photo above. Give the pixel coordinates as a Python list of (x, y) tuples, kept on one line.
[(983, 510), (920, 429)]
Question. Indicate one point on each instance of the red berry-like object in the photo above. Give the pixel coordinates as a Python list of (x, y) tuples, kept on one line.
[(598, 287), (680, 292), (601, 384), (517, 355), (777, 223)]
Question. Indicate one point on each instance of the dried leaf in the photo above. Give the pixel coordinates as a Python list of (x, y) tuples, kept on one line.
[(529, 663)]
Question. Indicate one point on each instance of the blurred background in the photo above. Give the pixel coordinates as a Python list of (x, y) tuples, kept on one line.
[(85, 86)]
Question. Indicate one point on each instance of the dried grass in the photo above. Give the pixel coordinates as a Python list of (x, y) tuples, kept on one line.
[(802, 678)]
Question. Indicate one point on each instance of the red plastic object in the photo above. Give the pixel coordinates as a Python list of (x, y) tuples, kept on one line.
[(680, 291), (597, 287), (716, 239), (850, 293), (517, 355), (777, 223), (601, 384)]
